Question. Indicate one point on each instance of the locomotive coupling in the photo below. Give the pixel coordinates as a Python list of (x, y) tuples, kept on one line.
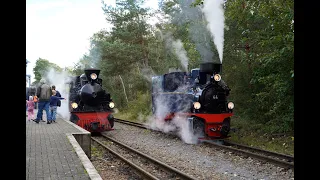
[(94, 125), (110, 117)]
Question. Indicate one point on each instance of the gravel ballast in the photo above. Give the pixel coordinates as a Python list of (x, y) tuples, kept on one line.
[(197, 160)]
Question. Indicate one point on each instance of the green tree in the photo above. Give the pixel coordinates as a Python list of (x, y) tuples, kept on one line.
[(259, 45), (42, 67)]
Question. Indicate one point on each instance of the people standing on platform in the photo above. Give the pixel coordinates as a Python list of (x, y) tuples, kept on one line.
[(44, 93), (53, 105), (30, 107)]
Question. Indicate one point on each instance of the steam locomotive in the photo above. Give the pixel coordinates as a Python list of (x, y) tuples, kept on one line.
[(91, 107), (199, 97)]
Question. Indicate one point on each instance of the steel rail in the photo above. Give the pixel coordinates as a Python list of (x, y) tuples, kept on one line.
[(127, 161), (275, 154), (131, 123), (182, 174), (284, 164)]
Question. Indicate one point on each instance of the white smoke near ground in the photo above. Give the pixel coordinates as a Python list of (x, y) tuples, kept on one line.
[(214, 13), (179, 125), (60, 79), (184, 131), (157, 122)]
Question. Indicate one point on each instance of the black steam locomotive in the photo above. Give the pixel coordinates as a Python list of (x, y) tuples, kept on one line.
[(199, 97), (91, 107)]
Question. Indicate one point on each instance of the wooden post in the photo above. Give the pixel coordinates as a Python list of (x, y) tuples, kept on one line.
[(124, 89)]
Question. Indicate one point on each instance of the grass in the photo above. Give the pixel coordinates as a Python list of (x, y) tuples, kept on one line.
[(137, 110), (254, 135), (96, 152)]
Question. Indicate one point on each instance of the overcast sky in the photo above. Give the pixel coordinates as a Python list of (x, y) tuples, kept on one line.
[(59, 30)]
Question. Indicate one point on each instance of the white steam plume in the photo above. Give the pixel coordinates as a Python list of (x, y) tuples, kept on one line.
[(181, 53), (177, 48), (147, 73), (214, 13), (59, 80)]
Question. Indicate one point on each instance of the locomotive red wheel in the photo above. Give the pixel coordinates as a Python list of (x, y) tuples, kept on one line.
[(198, 127), (111, 120), (225, 127)]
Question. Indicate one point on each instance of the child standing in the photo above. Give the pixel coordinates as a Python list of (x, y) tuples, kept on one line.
[(30, 108), (53, 105)]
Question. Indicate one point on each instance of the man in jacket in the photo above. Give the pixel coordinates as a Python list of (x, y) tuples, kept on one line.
[(44, 93)]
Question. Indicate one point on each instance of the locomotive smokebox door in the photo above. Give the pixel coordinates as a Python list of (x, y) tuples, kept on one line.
[(211, 68)]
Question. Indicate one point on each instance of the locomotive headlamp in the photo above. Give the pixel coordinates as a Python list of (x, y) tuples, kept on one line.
[(230, 105), (111, 104), (197, 105), (217, 77), (93, 76), (74, 105)]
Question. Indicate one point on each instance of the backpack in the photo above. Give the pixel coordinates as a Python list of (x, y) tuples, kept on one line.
[(45, 92), (59, 103), (58, 95), (35, 99)]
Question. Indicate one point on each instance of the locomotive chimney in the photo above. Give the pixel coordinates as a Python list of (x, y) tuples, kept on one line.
[(211, 68)]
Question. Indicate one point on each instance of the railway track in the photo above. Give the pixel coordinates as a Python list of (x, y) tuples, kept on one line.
[(285, 161), (282, 160), (148, 166), (131, 123)]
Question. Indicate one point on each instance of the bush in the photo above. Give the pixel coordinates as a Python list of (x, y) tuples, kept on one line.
[(137, 110)]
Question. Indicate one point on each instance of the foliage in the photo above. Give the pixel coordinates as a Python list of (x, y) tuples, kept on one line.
[(259, 135), (139, 109), (197, 3), (264, 30), (42, 67)]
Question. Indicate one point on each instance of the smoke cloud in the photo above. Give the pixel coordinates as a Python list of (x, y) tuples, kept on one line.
[(176, 47), (214, 13), (201, 37), (198, 32), (59, 79), (181, 53), (179, 125), (147, 73)]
